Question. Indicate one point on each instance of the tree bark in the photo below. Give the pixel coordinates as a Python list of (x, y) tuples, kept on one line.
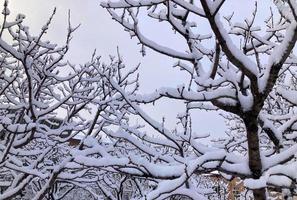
[(255, 164)]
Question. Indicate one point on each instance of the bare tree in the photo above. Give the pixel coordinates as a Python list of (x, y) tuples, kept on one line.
[(241, 76)]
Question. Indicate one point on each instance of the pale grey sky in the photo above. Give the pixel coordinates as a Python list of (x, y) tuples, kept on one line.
[(99, 31)]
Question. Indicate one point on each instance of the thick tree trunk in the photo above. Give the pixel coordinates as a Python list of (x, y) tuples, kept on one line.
[(255, 164)]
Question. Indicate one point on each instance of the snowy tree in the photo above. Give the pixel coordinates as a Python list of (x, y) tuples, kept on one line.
[(237, 75), (47, 102)]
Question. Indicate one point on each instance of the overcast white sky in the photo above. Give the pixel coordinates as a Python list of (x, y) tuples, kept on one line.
[(99, 31)]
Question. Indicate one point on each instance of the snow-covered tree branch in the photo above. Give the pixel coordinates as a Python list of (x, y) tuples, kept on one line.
[(246, 61), (66, 127), (50, 109)]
